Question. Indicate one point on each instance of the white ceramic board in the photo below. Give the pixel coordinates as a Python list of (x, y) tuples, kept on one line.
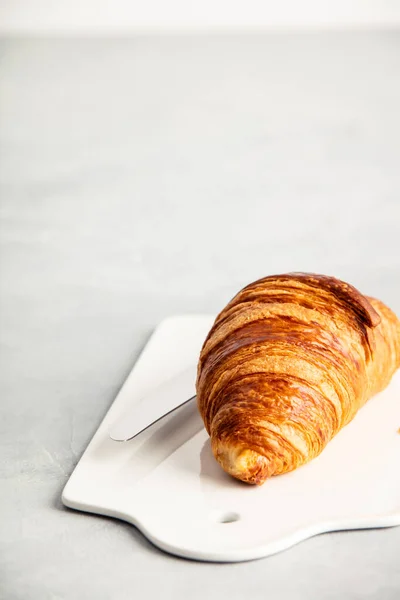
[(167, 483)]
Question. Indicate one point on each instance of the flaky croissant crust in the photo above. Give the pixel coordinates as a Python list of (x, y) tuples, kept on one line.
[(287, 363)]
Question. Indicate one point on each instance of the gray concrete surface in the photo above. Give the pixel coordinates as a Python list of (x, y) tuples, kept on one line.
[(147, 177)]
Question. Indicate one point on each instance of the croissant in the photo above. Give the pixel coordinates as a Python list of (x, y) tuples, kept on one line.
[(287, 364)]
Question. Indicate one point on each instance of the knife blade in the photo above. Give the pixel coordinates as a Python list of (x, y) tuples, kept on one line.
[(167, 397)]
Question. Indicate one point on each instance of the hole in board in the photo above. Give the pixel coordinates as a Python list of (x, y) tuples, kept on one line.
[(229, 517)]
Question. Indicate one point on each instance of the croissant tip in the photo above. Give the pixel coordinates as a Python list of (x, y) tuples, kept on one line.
[(244, 464)]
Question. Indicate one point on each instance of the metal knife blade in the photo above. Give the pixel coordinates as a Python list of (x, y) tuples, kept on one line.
[(164, 399)]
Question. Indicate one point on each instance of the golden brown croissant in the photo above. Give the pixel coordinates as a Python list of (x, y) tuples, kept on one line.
[(288, 363)]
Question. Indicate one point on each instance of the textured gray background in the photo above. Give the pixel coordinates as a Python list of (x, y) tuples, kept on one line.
[(147, 177)]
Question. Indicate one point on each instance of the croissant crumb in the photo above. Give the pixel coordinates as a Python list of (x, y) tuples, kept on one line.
[(288, 363)]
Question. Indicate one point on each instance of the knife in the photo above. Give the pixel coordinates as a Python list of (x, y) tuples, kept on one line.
[(166, 398)]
